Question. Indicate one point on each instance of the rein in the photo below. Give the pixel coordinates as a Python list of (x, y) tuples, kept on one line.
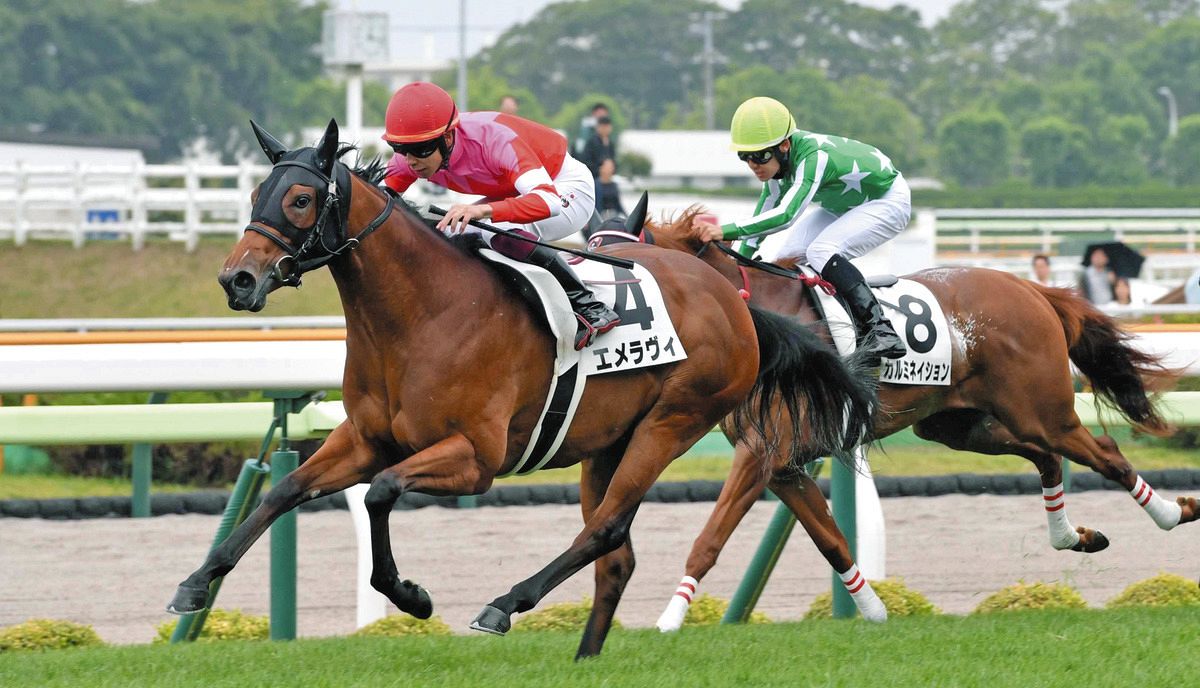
[(769, 268)]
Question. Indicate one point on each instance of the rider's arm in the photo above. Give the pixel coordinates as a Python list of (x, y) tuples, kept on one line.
[(537, 198), (788, 209)]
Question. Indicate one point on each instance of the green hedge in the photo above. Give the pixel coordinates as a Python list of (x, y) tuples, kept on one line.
[(1021, 194), (47, 634), (1032, 596)]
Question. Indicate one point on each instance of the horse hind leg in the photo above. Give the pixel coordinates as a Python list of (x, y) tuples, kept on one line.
[(658, 440), (1102, 455), (1053, 425), (975, 431), (745, 484), (801, 494), (613, 570)]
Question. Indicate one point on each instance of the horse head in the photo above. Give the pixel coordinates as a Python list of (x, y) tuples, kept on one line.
[(300, 206)]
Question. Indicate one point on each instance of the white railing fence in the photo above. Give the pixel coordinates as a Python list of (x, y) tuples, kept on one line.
[(182, 202)]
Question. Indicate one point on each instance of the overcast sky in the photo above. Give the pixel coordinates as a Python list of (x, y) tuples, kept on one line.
[(420, 25)]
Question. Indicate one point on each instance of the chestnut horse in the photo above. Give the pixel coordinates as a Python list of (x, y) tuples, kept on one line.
[(1011, 392), (447, 371)]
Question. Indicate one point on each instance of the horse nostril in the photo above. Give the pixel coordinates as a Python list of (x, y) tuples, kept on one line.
[(243, 282)]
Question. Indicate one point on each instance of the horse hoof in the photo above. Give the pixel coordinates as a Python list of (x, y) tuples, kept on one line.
[(188, 600), (1096, 543), (422, 606), (491, 620)]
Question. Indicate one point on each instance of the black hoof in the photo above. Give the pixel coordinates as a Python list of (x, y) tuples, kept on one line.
[(492, 620), (421, 605), (188, 600), (1096, 544)]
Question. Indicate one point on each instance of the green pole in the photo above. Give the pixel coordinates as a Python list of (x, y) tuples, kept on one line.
[(761, 566), (841, 493), (143, 469), (283, 555), (245, 494)]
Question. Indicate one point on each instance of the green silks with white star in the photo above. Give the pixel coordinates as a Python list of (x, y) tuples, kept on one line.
[(834, 171)]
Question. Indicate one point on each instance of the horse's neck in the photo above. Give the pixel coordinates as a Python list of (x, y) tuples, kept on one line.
[(767, 291), (404, 276)]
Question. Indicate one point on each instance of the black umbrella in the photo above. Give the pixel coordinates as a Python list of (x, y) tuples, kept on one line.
[(1124, 260)]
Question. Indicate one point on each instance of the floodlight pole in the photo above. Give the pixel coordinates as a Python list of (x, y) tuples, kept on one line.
[(1172, 111), (354, 100), (462, 55)]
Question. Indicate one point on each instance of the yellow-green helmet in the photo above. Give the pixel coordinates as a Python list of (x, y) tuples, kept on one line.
[(760, 123)]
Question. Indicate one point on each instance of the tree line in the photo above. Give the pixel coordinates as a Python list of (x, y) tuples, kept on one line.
[(1055, 93)]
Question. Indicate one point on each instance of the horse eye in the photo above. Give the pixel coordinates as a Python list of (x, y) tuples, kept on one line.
[(303, 201)]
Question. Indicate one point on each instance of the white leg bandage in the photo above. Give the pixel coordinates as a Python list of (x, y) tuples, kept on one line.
[(1165, 514), (868, 603), (1062, 534), (672, 616)]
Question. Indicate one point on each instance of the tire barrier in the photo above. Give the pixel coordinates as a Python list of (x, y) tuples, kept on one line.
[(213, 501)]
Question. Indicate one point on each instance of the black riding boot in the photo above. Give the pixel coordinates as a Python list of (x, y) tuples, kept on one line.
[(873, 326), (594, 317)]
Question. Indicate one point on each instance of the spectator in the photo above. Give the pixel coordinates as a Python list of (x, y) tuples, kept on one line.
[(1096, 283), (598, 154), (608, 194), (587, 125), (509, 104), (1191, 288), (1041, 271), (1122, 294)]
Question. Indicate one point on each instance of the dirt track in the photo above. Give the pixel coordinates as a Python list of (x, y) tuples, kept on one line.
[(117, 574)]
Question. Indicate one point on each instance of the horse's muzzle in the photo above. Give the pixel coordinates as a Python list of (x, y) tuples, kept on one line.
[(242, 290)]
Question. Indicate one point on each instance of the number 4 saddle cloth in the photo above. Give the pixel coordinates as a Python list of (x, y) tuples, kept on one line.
[(918, 319), (646, 337)]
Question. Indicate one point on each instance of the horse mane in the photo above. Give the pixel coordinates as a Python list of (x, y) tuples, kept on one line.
[(678, 226), (372, 171)]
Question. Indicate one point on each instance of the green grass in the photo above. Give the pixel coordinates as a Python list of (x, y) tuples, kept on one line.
[(1093, 648), (111, 280)]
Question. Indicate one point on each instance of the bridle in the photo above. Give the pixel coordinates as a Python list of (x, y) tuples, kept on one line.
[(294, 263)]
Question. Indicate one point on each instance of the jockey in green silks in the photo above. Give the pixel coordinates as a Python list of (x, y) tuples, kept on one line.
[(863, 199)]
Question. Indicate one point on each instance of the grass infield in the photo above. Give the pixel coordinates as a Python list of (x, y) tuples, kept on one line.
[(1150, 647)]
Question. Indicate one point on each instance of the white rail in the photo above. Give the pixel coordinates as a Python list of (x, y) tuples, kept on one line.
[(84, 202)]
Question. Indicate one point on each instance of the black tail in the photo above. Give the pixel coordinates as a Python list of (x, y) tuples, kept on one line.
[(1117, 371), (829, 402)]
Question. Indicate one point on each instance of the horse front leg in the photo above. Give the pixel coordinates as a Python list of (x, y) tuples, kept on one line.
[(655, 443), (343, 460), (745, 484), (447, 467)]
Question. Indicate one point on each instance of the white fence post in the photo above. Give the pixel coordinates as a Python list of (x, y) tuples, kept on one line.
[(372, 604)]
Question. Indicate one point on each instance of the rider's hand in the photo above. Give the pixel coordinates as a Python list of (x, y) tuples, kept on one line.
[(706, 230), (459, 216)]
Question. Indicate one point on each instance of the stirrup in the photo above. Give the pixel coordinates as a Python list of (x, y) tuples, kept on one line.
[(587, 331)]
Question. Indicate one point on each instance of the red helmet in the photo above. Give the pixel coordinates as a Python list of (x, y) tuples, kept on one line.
[(419, 111)]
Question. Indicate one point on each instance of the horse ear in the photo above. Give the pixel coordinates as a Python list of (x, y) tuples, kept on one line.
[(270, 145), (637, 219), (327, 148)]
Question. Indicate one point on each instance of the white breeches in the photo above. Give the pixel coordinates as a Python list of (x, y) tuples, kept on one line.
[(819, 233), (575, 185)]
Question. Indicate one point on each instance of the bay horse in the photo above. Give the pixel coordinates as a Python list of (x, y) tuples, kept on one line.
[(1011, 392), (447, 371)]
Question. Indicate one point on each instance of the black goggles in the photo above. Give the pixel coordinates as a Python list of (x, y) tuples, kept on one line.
[(761, 157), (420, 149)]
